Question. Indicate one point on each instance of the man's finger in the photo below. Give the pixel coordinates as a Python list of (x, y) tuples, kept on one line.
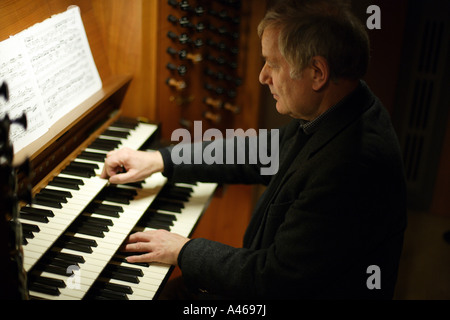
[(147, 257), (120, 178), (139, 236), (137, 247)]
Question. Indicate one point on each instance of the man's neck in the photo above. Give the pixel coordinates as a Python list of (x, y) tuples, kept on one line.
[(335, 92)]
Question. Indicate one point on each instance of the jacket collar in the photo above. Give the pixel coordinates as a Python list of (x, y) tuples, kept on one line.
[(342, 115)]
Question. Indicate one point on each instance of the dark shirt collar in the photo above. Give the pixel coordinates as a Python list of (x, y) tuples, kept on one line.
[(309, 127)]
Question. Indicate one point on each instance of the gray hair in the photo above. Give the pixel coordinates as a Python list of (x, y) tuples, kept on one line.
[(324, 28)]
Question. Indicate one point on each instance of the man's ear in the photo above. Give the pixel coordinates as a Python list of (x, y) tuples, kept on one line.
[(321, 72)]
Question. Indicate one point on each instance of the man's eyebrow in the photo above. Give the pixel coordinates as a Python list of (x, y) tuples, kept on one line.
[(272, 60)]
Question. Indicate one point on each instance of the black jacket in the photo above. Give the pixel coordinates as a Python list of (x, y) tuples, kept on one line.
[(336, 207)]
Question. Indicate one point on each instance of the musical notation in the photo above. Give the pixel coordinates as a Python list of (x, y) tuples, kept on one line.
[(51, 71)]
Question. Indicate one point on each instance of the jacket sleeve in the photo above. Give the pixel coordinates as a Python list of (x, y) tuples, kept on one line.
[(237, 160)]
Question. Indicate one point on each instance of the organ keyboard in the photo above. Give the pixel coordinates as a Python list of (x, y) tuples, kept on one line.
[(76, 224)]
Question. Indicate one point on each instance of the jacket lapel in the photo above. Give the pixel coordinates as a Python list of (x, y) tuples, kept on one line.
[(351, 109)]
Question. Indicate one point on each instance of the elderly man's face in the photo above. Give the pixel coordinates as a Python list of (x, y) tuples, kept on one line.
[(295, 97)]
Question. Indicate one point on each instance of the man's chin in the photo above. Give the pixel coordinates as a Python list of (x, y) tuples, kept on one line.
[(280, 109)]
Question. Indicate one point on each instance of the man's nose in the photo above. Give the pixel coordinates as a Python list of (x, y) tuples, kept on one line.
[(264, 75)]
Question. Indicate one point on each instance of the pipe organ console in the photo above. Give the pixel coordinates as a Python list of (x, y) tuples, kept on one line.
[(72, 223)]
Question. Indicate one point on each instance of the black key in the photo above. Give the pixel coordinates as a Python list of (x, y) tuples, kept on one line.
[(60, 193), (156, 225), (107, 142), (112, 198), (155, 215), (94, 220), (125, 270), (90, 166), (116, 133), (104, 209), (156, 220), (107, 294), (121, 191), (64, 185), (75, 246), (79, 223), (174, 197), (122, 258), (44, 212), (171, 188), (171, 200), (74, 259), (93, 156), (56, 262), (69, 180), (99, 205), (27, 234), (100, 147), (77, 173), (112, 287), (33, 217), (78, 168), (30, 227), (83, 241), (120, 276), (42, 288), (54, 269), (47, 203), (118, 195), (164, 205), (57, 283), (125, 123), (50, 197), (105, 145), (137, 185), (74, 171), (85, 229), (105, 212)]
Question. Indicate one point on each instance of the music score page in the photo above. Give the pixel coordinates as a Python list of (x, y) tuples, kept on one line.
[(50, 70)]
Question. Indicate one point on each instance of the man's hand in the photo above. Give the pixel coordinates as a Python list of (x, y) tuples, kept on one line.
[(156, 246), (127, 165)]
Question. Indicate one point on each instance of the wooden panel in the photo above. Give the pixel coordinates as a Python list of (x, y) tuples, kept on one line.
[(129, 29), (18, 15)]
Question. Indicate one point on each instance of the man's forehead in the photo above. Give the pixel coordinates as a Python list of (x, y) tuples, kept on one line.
[(269, 43)]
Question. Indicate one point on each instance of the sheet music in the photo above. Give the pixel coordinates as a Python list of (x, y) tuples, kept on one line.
[(24, 94), (50, 70)]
